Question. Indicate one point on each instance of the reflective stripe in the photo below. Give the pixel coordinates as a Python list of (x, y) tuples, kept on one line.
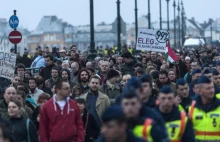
[(182, 124), (147, 123), (192, 110), (207, 133)]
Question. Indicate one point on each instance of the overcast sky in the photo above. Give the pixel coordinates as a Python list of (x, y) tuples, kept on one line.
[(76, 12)]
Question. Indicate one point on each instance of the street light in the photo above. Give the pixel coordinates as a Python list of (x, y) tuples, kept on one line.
[(183, 22), (174, 7), (119, 25), (149, 15), (178, 8), (168, 20), (160, 14), (92, 39), (136, 19)]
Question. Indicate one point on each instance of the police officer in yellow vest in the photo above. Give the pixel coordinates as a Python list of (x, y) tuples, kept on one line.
[(178, 126), (143, 121), (204, 112)]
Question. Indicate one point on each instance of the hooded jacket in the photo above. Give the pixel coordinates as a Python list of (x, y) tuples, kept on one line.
[(58, 125)]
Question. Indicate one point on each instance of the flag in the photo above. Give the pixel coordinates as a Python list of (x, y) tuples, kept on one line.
[(170, 55)]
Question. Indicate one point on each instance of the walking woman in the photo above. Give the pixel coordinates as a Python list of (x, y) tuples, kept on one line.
[(22, 129)]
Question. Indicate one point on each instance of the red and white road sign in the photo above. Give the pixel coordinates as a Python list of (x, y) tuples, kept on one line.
[(15, 37)]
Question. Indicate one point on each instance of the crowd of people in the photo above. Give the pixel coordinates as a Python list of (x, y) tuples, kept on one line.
[(68, 97)]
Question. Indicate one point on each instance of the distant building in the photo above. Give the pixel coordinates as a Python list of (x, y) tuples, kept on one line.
[(51, 32), (4, 42), (212, 31)]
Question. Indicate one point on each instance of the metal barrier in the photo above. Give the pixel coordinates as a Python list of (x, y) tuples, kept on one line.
[(33, 71)]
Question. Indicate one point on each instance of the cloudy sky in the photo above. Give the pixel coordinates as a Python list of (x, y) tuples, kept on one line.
[(76, 12)]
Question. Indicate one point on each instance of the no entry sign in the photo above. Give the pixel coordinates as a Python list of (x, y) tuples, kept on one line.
[(15, 37)]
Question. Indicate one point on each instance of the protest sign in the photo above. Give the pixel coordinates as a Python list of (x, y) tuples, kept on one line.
[(7, 64), (152, 40)]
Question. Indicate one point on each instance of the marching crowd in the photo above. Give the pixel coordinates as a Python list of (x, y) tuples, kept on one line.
[(69, 97)]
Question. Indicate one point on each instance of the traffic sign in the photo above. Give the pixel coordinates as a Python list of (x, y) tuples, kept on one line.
[(13, 21), (15, 37)]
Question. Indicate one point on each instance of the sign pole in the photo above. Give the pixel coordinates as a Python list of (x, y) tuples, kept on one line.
[(15, 29)]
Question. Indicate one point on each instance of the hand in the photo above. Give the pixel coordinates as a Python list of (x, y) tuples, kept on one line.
[(178, 100)]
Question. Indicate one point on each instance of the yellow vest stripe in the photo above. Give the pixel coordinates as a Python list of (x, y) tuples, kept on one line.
[(147, 123)]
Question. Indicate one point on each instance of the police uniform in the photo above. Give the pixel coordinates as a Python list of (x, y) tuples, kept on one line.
[(206, 120)]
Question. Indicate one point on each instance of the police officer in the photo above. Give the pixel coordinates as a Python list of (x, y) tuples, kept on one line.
[(143, 121), (178, 126), (114, 127), (204, 112)]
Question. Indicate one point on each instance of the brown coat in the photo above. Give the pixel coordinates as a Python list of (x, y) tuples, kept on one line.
[(101, 104)]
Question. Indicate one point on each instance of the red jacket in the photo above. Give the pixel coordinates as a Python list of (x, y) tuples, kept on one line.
[(61, 126)]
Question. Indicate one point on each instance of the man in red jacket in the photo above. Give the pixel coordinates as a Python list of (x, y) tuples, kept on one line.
[(60, 119)]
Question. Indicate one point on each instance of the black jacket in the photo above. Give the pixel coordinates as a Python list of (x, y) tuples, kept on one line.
[(128, 68), (26, 61), (151, 102), (35, 114), (186, 102), (46, 72), (18, 127), (91, 127), (188, 135)]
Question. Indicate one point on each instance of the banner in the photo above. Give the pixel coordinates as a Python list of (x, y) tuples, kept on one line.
[(152, 40), (7, 64)]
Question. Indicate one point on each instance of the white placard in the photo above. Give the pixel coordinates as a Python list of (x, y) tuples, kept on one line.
[(152, 40), (7, 64)]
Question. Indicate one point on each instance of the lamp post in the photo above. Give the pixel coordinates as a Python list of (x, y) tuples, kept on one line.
[(160, 14), (136, 19), (174, 7), (149, 15), (178, 8), (92, 39), (168, 19), (183, 22), (119, 25)]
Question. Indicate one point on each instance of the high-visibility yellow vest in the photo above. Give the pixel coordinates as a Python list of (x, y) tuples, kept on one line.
[(130, 50), (144, 131), (106, 52), (176, 128), (113, 50), (205, 124), (218, 96)]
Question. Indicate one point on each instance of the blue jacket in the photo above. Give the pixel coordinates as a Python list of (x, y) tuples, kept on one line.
[(188, 135)]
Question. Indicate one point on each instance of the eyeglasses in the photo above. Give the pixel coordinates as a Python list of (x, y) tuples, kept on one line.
[(67, 88)]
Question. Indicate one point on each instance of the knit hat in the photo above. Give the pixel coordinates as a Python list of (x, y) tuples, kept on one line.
[(187, 58), (126, 55), (112, 73)]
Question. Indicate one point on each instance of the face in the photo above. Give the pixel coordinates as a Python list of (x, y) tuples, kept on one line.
[(88, 65), (112, 131), (139, 74), (125, 79), (32, 84), (131, 107), (194, 66), (183, 90), (27, 75), (207, 90), (196, 89), (119, 60), (187, 61), (84, 76), (178, 55), (48, 61), (10, 94), (216, 80), (209, 75), (16, 80), (75, 67), (166, 101), (20, 99), (144, 60), (62, 54), (20, 72), (153, 55), (94, 84), (146, 90), (81, 106), (196, 76), (104, 66), (65, 75), (163, 78), (171, 75), (148, 55), (65, 90), (54, 73), (13, 110)]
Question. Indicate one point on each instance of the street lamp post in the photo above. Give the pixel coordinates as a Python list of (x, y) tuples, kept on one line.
[(183, 22), (149, 15), (119, 25), (168, 19), (160, 15), (92, 39), (136, 19), (178, 8), (174, 7)]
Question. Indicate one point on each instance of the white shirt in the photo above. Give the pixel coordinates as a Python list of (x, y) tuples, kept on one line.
[(61, 104)]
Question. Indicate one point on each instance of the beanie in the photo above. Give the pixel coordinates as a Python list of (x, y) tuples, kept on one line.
[(112, 73)]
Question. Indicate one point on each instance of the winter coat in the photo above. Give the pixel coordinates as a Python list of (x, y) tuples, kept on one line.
[(49, 83), (61, 126), (19, 130), (101, 104), (91, 127), (128, 68), (46, 72)]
